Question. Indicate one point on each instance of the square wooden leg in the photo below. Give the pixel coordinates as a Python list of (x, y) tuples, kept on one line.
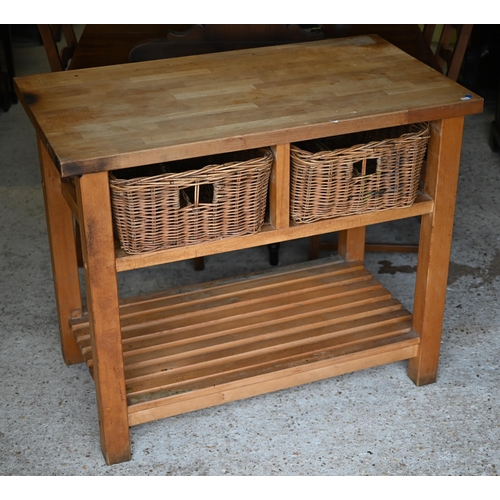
[(63, 255), (351, 244), (94, 204), (441, 180)]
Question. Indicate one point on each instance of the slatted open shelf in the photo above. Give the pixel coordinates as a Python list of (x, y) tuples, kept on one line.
[(202, 345)]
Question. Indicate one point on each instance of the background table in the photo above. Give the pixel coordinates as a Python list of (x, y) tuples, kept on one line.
[(108, 44)]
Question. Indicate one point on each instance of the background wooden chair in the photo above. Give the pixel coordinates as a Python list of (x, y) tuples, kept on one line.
[(449, 52), (59, 56), (451, 46)]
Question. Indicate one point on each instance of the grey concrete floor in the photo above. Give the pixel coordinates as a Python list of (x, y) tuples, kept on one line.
[(373, 422)]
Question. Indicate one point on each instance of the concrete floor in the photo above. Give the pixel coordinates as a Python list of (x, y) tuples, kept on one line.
[(374, 422)]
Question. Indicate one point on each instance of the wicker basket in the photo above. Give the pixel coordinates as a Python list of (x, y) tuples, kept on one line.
[(190, 201), (356, 173)]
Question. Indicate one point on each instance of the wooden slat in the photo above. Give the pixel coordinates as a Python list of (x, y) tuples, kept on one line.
[(184, 328), (193, 378), (243, 326), (184, 332), (172, 403), (270, 278), (228, 297), (240, 354), (298, 319)]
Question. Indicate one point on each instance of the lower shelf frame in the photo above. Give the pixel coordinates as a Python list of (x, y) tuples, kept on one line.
[(203, 345)]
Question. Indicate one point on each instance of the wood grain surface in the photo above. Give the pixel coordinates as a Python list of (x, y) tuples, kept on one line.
[(133, 114)]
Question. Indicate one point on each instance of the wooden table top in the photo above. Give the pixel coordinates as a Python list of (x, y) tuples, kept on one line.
[(139, 113)]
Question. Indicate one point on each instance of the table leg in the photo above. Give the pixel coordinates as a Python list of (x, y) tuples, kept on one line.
[(279, 188), (63, 254), (351, 245), (102, 297), (441, 180)]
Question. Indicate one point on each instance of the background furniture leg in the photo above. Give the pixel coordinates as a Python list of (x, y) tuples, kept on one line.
[(100, 277), (441, 180), (63, 255), (314, 247), (494, 140), (274, 253), (199, 263)]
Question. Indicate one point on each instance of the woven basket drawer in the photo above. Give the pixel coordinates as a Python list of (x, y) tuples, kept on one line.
[(190, 201), (356, 173)]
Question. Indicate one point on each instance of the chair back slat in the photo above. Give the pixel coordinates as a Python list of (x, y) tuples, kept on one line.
[(450, 50), (59, 59)]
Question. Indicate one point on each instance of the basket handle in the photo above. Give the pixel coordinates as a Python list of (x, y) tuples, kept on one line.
[(368, 166), (196, 195)]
